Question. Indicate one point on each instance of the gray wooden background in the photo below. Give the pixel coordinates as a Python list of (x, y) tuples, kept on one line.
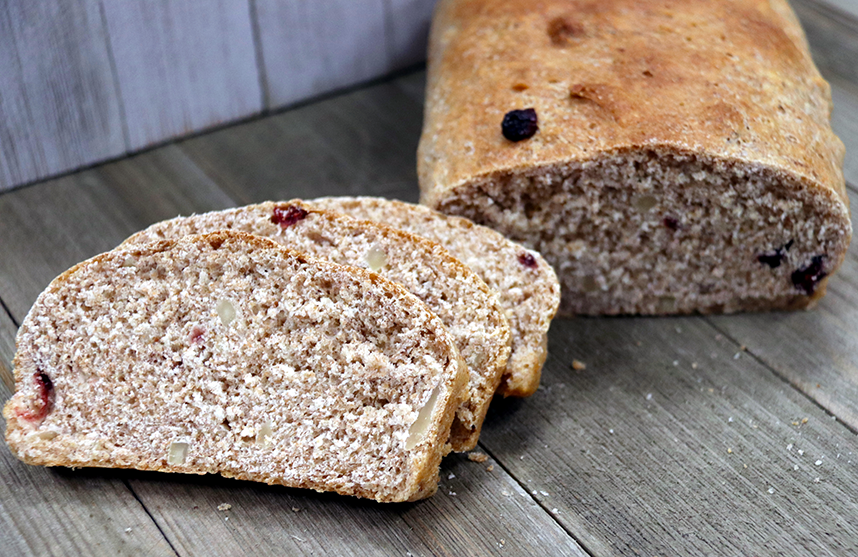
[(82, 81)]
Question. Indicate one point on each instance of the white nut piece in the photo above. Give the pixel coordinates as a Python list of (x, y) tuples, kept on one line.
[(226, 312), (376, 259), (264, 435), (418, 430), (178, 453), (644, 203)]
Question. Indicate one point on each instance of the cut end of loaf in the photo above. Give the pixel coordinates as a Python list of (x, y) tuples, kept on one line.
[(659, 232), (225, 353)]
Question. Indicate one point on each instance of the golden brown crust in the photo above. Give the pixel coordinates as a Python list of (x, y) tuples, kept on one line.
[(731, 79)]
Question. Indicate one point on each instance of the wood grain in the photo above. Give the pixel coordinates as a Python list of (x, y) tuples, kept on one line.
[(844, 120), (8, 330), (182, 66), (849, 7), (476, 512), (47, 228), (363, 142), (310, 48), (645, 451), (58, 105)]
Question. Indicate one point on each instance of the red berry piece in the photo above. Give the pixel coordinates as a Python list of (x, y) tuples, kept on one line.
[(45, 391), (806, 278), (527, 260), (288, 216), (519, 124), (196, 335), (670, 223)]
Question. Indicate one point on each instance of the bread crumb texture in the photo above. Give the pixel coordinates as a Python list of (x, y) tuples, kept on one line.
[(226, 353), (684, 160)]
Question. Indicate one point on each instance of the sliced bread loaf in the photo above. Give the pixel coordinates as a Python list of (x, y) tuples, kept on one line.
[(528, 288), (664, 158), (468, 308), (227, 353)]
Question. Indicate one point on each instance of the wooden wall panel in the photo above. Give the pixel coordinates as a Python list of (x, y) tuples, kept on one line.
[(408, 25), (58, 103), (182, 66), (309, 48)]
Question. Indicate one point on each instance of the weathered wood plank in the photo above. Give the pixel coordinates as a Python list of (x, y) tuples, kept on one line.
[(477, 512), (849, 7), (61, 512), (408, 30), (182, 66), (844, 120), (668, 444), (59, 107), (49, 227), (8, 330), (310, 48), (833, 36), (363, 142)]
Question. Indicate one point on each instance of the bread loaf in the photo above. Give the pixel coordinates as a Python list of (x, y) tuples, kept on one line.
[(528, 288), (226, 353), (663, 157), (468, 308)]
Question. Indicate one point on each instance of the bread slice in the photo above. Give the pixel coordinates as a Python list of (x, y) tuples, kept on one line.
[(468, 308), (664, 159), (528, 288), (227, 353)]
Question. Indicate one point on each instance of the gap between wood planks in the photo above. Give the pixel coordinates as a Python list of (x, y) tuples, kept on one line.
[(137, 498), (578, 539)]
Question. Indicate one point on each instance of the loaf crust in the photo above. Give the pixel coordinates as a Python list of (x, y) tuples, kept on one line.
[(127, 354), (469, 308), (528, 287), (717, 99)]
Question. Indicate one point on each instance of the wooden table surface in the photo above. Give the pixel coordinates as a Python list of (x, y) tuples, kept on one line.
[(724, 435)]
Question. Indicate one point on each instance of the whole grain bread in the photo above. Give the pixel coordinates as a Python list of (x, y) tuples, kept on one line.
[(469, 309), (528, 288), (678, 157), (227, 353)]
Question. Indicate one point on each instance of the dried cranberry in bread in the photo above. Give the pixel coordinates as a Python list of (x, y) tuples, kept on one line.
[(468, 308), (528, 288), (227, 353), (683, 159)]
